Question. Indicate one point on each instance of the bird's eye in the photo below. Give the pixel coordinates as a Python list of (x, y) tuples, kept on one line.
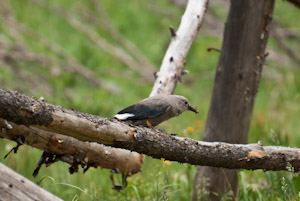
[(185, 102)]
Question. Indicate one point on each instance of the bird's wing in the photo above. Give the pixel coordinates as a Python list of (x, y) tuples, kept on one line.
[(142, 111)]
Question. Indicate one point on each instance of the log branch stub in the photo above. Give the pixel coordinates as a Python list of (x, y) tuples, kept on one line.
[(173, 32), (19, 141)]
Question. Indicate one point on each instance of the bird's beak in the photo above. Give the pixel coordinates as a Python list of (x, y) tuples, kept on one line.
[(193, 109)]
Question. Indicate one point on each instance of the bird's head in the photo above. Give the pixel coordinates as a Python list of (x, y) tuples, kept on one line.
[(184, 104)]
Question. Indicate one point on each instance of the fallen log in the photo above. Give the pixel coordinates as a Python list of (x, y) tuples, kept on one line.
[(16, 187), (31, 112), (73, 151)]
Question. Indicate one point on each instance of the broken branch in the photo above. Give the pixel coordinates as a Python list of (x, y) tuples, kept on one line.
[(174, 60)]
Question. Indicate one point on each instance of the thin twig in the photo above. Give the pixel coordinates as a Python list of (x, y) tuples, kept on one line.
[(288, 50), (213, 48)]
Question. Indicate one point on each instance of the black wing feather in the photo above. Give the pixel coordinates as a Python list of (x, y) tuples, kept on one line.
[(141, 111)]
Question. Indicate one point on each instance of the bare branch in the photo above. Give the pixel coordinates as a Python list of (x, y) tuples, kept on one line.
[(280, 42), (27, 111), (174, 60)]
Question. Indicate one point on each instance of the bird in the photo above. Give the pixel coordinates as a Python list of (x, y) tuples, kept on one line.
[(154, 110)]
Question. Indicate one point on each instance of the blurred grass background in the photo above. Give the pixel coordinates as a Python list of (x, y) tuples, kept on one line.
[(39, 48)]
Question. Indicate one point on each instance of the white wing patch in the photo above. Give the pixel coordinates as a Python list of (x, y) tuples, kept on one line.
[(123, 116)]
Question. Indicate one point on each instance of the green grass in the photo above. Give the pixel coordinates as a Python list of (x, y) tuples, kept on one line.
[(275, 117)]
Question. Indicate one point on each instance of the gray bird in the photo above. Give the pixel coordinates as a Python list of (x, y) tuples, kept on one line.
[(154, 110)]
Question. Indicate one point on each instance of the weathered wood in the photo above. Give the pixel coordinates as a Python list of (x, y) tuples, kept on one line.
[(215, 154), (27, 111), (73, 151), (236, 84), (15, 187), (173, 63), (152, 142)]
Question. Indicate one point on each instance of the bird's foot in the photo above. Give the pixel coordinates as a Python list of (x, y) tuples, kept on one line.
[(149, 124)]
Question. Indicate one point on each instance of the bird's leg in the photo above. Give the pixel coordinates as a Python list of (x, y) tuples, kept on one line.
[(149, 124)]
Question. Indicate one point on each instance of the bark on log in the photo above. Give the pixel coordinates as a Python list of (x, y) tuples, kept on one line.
[(15, 187), (153, 142), (73, 151), (21, 109), (173, 63), (236, 84)]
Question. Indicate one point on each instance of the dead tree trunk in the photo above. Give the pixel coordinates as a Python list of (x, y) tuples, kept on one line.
[(173, 63), (236, 84)]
